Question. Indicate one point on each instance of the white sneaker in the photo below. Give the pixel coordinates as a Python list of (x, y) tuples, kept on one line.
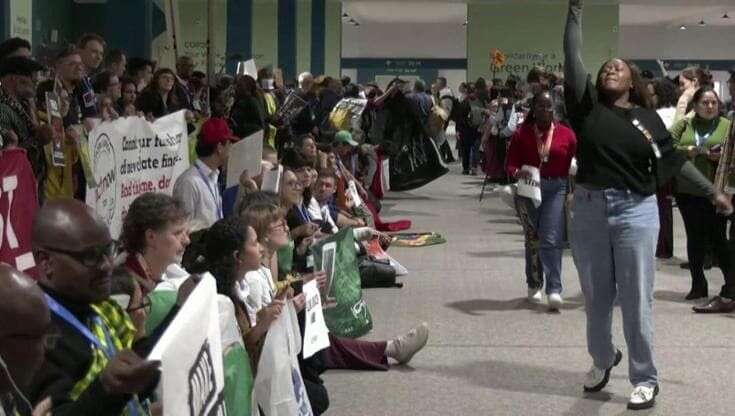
[(535, 296), (596, 379), (409, 344), (555, 301), (643, 397)]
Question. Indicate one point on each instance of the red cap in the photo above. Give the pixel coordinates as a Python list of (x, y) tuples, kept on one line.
[(215, 131)]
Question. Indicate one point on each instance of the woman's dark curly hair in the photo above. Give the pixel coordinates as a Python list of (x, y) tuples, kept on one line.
[(223, 239), (150, 211)]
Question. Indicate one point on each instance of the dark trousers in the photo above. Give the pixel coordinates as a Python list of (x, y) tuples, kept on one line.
[(665, 246), (353, 354), (706, 229), (469, 151)]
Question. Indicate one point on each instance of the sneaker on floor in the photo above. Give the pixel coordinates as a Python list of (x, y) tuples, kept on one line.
[(555, 301), (411, 343), (535, 296), (596, 379), (643, 397)]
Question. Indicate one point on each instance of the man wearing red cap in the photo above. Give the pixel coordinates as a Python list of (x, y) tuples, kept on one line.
[(197, 187)]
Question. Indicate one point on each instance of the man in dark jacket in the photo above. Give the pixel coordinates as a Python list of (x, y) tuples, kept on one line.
[(91, 370)]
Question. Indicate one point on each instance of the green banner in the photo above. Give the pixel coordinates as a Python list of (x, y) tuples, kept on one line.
[(351, 316)]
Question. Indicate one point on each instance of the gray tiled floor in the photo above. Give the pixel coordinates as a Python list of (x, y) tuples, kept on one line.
[(492, 354)]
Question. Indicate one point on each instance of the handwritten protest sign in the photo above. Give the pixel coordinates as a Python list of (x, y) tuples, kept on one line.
[(190, 351), (316, 334), (131, 156)]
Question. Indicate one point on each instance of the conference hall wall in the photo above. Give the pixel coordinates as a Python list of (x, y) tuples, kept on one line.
[(531, 34)]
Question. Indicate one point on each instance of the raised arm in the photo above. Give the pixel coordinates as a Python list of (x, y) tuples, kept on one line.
[(575, 73)]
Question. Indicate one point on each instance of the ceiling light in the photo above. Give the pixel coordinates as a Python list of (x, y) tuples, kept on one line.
[(701, 23), (357, 23), (725, 16), (682, 27), (345, 15), (465, 23)]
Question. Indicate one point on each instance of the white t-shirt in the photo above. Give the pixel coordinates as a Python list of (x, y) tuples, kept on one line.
[(260, 291)]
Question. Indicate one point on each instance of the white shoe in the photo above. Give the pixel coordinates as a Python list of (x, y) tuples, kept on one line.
[(643, 397), (596, 379), (555, 301), (535, 296), (411, 343)]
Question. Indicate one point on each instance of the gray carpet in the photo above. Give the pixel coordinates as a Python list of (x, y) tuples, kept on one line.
[(491, 353)]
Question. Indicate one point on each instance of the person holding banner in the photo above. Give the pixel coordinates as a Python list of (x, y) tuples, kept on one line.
[(74, 252), (343, 353), (161, 97), (543, 143), (231, 252), (624, 151)]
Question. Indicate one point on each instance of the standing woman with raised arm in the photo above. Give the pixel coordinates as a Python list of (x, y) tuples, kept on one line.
[(623, 151)]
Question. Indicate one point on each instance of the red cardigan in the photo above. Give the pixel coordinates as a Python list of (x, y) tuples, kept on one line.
[(523, 151)]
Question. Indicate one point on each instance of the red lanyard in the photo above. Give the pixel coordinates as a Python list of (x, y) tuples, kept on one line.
[(544, 146)]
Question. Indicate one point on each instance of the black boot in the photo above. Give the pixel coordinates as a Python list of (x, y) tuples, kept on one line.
[(699, 290)]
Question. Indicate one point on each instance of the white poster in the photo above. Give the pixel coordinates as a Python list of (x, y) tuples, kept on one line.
[(20, 19), (531, 187), (316, 334), (129, 157), (245, 155), (279, 388), (190, 351)]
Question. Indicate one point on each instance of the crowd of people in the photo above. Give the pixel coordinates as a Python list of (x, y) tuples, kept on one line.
[(98, 305), (609, 155)]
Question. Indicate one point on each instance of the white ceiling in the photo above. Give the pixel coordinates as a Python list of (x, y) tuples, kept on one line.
[(663, 13)]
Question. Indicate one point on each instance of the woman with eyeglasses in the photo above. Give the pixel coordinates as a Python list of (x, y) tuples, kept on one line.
[(155, 234), (701, 139), (543, 143), (263, 289), (232, 253)]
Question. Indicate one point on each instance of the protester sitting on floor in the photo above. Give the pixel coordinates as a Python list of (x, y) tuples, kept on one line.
[(24, 333), (92, 369), (155, 234), (270, 226)]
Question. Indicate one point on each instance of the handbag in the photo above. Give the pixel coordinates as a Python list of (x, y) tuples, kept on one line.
[(376, 273)]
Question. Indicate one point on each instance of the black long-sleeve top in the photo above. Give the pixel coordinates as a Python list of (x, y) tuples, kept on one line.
[(611, 151)]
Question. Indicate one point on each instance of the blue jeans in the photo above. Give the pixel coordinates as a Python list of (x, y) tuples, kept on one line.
[(544, 230), (614, 235)]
